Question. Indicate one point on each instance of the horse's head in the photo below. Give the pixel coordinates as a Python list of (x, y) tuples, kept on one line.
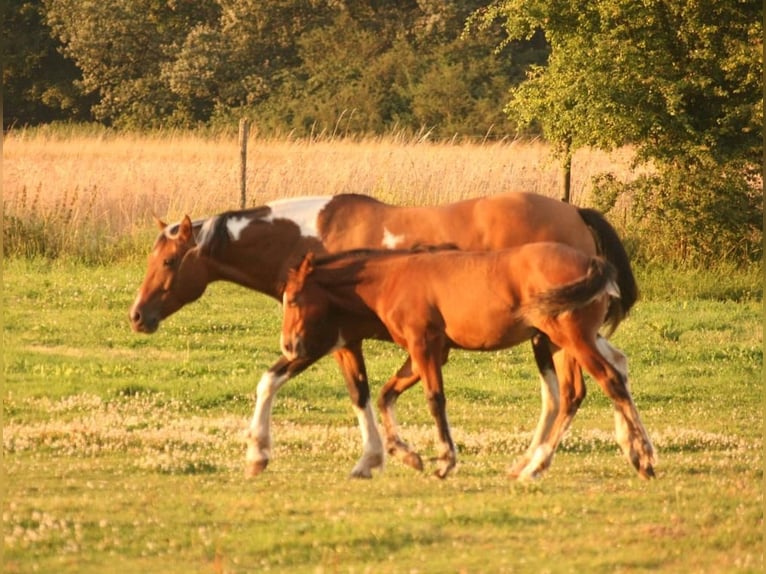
[(307, 331), (175, 276)]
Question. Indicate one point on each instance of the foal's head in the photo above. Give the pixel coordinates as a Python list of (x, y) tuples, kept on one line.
[(307, 331), (174, 277)]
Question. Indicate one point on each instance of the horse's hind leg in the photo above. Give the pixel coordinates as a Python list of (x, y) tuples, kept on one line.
[(538, 456), (352, 365), (609, 367), (572, 389), (427, 350), (396, 385)]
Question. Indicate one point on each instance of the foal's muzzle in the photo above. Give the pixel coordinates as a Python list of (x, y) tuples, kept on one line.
[(292, 347)]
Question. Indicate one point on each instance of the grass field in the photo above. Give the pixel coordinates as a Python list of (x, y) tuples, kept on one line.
[(123, 452)]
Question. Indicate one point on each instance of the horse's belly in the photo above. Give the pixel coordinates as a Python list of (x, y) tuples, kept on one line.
[(484, 334)]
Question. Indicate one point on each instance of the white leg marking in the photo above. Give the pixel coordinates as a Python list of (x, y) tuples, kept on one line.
[(372, 446), (622, 432), (303, 211), (549, 394), (618, 360), (628, 429), (538, 463), (537, 457), (259, 433), (391, 241)]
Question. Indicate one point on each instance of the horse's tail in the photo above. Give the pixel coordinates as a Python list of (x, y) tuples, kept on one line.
[(599, 279), (611, 248)]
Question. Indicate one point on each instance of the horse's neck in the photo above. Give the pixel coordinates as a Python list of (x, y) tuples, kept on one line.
[(347, 293), (262, 268)]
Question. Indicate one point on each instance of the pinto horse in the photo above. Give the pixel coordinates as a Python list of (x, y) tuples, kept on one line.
[(430, 302), (256, 247)]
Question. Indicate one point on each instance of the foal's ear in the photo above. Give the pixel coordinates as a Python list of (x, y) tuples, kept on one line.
[(161, 224), (306, 266)]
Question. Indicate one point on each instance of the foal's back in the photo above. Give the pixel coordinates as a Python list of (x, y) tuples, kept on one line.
[(473, 297)]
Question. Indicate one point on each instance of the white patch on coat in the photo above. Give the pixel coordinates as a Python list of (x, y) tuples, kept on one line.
[(235, 224), (303, 211), (391, 241)]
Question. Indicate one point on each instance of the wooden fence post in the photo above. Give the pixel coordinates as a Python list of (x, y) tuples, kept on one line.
[(244, 125)]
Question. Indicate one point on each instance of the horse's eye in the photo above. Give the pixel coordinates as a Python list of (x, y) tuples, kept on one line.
[(169, 262)]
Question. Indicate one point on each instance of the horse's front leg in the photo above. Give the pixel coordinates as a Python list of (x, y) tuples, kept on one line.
[(258, 434), (395, 386), (352, 365), (629, 430)]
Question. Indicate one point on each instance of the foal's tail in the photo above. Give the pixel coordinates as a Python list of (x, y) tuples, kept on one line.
[(610, 246), (598, 280)]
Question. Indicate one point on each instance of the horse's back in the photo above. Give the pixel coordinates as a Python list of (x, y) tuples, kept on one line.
[(474, 296), (476, 224), (517, 218)]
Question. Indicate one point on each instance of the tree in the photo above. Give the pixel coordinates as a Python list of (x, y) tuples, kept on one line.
[(679, 80), (121, 47), (292, 65), (38, 81)]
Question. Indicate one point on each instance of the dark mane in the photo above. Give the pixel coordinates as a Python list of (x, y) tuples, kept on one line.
[(214, 234), (331, 277)]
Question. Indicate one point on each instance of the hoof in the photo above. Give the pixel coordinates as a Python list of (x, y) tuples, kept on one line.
[(255, 467), (441, 474), (517, 467), (647, 473), (444, 470), (413, 460), (531, 476), (363, 468), (361, 473)]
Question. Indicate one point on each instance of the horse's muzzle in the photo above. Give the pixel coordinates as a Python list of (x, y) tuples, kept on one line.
[(141, 323)]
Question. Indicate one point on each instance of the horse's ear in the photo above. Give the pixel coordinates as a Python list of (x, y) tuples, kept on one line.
[(297, 275), (161, 224), (185, 233)]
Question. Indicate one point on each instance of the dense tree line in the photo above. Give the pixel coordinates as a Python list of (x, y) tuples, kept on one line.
[(680, 81), (296, 66)]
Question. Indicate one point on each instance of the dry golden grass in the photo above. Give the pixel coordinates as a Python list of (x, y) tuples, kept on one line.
[(115, 182)]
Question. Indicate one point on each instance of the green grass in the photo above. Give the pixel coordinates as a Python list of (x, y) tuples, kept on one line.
[(123, 452)]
